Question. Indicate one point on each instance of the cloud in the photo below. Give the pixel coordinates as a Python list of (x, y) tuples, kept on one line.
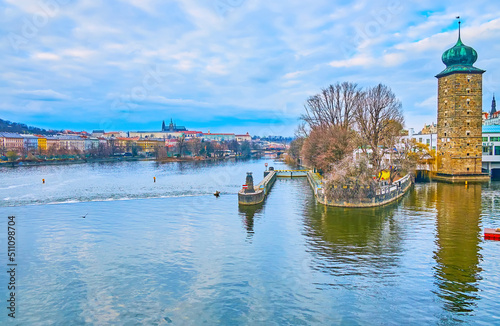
[(430, 102), (242, 58), (45, 56), (41, 95), (360, 60)]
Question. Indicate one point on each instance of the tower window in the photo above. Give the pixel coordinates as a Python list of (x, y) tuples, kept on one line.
[(467, 133), (468, 101), (467, 169), (467, 154), (468, 112), (445, 134), (445, 124), (468, 91)]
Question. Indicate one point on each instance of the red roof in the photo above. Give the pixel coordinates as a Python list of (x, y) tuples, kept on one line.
[(127, 138), (218, 134)]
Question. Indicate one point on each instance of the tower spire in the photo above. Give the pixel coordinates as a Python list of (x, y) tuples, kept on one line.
[(459, 23), (493, 106)]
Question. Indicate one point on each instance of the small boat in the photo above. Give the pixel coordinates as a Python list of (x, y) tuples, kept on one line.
[(492, 234), (217, 193)]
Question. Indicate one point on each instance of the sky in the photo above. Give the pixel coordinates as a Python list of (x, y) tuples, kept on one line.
[(227, 65)]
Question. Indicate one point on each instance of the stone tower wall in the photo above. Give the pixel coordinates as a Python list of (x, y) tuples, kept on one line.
[(460, 123)]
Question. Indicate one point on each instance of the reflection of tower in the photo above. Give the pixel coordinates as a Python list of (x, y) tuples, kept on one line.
[(460, 113), (248, 212), (458, 238)]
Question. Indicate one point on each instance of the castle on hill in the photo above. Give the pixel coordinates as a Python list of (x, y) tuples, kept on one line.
[(172, 127)]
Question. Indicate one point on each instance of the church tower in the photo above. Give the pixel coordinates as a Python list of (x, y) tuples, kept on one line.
[(493, 107), (460, 116)]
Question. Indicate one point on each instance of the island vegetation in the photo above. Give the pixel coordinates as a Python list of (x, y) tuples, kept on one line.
[(354, 136)]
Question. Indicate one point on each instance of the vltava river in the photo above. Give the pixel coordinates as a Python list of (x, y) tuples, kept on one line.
[(171, 253)]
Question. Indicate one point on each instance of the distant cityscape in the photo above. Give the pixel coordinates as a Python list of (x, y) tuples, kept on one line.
[(169, 141)]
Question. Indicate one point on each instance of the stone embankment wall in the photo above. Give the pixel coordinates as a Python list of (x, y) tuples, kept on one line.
[(359, 196)]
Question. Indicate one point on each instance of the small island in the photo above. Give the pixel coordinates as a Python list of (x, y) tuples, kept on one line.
[(352, 140)]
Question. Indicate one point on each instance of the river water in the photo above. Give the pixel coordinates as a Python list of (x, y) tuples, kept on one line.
[(169, 252)]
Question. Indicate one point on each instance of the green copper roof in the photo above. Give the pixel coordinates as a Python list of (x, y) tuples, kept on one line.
[(460, 58)]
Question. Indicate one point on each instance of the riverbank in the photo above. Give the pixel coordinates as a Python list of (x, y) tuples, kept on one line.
[(72, 161), (108, 160)]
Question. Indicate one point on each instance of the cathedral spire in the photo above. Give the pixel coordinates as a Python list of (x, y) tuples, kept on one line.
[(493, 106)]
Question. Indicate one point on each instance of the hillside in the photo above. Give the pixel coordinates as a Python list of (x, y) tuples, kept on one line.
[(21, 128)]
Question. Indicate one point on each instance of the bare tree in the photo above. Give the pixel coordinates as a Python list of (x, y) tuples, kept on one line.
[(194, 146), (327, 145), (181, 145), (334, 106), (379, 122)]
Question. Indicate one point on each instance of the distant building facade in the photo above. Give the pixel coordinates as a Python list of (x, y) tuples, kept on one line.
[(219, 136), (11, 141), (429, 139), (242, 138), (30, 143)]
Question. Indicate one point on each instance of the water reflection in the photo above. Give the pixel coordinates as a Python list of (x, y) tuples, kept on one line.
[(354, 242), (457, 239), (247, 214)]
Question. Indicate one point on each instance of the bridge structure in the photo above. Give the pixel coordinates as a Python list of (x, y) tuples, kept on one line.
[(291, 173), (270, 150)]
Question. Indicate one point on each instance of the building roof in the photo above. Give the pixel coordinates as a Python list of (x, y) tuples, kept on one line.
[(491, 129), (218, 134), (459, 58), (10, 135), (69, 137)]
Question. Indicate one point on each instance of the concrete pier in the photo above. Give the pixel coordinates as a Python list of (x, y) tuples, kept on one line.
[(259, 192)]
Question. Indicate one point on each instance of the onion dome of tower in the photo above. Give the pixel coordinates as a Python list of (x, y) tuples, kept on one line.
[(459, 58)]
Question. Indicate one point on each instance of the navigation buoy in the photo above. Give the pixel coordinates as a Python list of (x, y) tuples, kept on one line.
[(154, 179), (43, 180)]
